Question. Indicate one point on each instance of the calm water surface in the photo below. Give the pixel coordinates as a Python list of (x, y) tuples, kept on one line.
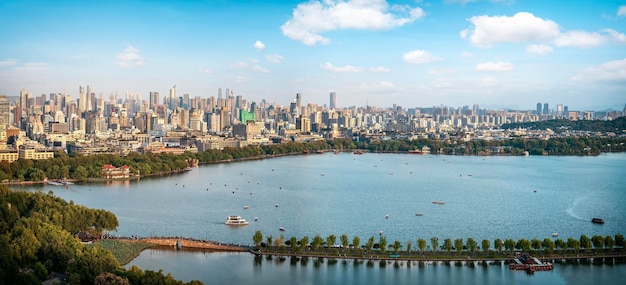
[(484, 198)]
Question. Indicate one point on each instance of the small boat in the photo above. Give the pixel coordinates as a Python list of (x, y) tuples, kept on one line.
[(357, 152), (246, 207), (281, 229), (386, 216), (380, 233), (256, 219), (276, 205), (438, 203), (235, 221), (555, 234), (597, 221), (419, 214)]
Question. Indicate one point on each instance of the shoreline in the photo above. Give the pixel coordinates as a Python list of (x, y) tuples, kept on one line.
[(195, 245)]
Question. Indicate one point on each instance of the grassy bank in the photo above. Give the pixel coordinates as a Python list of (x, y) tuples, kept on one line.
[(123, 251)]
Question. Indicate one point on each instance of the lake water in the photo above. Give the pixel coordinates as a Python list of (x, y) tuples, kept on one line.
[(308, 195)]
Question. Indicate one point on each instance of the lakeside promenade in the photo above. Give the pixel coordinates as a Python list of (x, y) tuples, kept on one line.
[(202, 245)]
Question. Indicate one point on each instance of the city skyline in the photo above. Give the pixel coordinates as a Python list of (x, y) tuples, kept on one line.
[(370, 52)]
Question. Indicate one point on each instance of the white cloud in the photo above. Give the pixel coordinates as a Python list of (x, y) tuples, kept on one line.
[(585, 39), (539, 49), (347, 68), (494, 66), (242, 79), (276, 58), (260, 69), (614, 71), (621, 11), (9, 62), (130, 57), (313, 18), (240, 64), (259, 45), (379, 69), (487, 82), (419, 57), (579, 39), (521, 27)]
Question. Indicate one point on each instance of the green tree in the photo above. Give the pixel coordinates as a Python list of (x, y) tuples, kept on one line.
[(609, 242), (471, 245), (293, 243), (356, 242), (497, 244), (330, 240), (396, 246), (536, 244), (548, 245), (559, 244), (317, 242), (344, 240), (304, 241), (509, 245), (585, 242), (269, 241), (458, 244), (80, 173), (369, 244), (421, 244), (408, 246), (447, 243), (485, 245), (597, 241), (434, 242), (257, 238), (383, 244)]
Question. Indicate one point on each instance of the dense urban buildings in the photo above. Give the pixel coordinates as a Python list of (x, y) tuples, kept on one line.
[(35, 126)]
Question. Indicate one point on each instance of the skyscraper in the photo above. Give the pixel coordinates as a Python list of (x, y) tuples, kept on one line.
[(333, 100), (539, 108), (298, 100), (154, 99), (170, 100), (546, 110), (82, 99)]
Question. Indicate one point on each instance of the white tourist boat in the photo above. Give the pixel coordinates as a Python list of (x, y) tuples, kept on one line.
[(235, 221)]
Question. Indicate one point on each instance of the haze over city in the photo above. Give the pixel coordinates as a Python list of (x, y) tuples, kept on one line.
[(370, 52)]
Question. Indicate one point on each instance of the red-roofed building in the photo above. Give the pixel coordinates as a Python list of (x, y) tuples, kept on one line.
[(111, 172)]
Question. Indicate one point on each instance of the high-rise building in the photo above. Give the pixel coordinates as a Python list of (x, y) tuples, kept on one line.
[(546, 109), (298, 100), (82, 99), (333, 100), (170, 100), (559, 110), (5, 113), (539, 108), (154, 99)]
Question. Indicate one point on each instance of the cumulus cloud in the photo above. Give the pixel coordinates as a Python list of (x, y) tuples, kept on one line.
[(539, 49), (613, 71), (130, 57), (526, 27), (521, 27), (276, 58), (379, 69), (346, 68), (313, 18), (494, 66), (31, 66), (259, 45), (621, 11), (419, 57)]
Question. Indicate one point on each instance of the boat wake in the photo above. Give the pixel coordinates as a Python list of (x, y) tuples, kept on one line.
[(570, 210)]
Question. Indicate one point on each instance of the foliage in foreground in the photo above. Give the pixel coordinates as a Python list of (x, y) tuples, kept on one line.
[(37, 237)]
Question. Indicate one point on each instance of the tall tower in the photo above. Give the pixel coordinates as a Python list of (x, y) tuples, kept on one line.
[(539, 108), (298, 100), (170, 103), (219, 92), (333, 100), (82, 99), (546, 109)]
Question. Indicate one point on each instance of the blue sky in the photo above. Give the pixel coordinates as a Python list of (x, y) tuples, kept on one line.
[(376, 52)]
